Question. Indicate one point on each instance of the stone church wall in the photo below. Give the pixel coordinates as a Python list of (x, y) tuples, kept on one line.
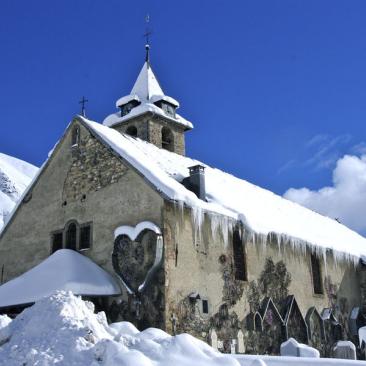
[(84, 183), (252, 313)]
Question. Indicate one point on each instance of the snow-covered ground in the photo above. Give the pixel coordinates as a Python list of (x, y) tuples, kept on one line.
[(15, 175), (64, 330)]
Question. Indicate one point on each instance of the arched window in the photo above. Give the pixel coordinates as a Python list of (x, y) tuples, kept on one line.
[(167, 139), (132, 131), (239, 257), (71, 235), (75, 137)]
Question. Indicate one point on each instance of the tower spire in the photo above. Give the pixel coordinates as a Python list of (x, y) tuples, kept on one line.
[(147, 35)]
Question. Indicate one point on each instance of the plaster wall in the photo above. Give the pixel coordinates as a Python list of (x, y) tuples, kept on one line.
[(194, 266)]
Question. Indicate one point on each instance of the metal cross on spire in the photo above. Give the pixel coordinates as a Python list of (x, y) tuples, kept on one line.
[(147, 35), (83, 101)]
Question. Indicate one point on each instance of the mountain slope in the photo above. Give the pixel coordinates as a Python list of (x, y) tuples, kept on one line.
[(15, 175)]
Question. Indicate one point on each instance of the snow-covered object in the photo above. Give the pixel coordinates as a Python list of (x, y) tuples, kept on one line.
[(126, 99), (116, 118), (63, 330), (4, 329), (15, 176), (147, 91), (345, 350), (362, 335), (133, 231), (64, 270), (293, 348), (261, 211)]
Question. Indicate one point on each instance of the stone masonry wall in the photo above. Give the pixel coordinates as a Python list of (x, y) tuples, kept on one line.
[(149, 128), (93, 167)]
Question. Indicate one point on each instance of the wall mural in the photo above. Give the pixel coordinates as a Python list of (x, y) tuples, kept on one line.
[(274, 314)]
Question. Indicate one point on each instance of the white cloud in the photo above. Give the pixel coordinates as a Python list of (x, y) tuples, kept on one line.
[(345, 199), (327, 150)]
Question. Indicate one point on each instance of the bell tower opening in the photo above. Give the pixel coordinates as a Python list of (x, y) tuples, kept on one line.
[(167, 139), (132, 131)]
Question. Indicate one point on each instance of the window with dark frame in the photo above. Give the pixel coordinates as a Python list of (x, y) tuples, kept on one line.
[(316, 275), (75, 237), (239, 257), (75, 136), (71, 236), (205, 306), (57, 241), (85, 237)]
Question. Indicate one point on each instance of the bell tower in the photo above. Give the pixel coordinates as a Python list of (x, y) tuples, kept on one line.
[(149, 114)]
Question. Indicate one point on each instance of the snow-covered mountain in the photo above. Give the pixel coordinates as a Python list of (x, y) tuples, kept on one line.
[(15, 175)]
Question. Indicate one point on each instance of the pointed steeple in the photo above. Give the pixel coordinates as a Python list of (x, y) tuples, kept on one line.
[(146, 84), (149, 114)]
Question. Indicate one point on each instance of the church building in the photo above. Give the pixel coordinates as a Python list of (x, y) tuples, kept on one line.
[(185, 247)]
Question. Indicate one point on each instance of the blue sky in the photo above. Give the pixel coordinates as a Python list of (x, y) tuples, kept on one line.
[(276, 89)]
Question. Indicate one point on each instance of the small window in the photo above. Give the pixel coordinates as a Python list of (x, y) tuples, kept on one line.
[(126, 109), (205, 306), (239, 257), (57, 241), (71, 236), (85, 237), (132, 131), (316, 275), (167, 141), (75, 138)]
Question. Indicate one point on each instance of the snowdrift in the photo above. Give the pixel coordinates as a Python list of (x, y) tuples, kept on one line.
[(62, 329)]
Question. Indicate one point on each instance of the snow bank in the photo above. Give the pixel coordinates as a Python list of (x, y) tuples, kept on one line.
[(261, 211), (62, 329), (63, 270), (259, 360)]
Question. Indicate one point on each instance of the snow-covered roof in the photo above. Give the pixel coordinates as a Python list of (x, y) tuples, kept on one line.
[(146, 84), (126, 99), (116, 118), (64, 270), (260, 210), (147, 91)]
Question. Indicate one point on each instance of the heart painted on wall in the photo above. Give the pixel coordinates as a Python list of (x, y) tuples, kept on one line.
[(137, 254)]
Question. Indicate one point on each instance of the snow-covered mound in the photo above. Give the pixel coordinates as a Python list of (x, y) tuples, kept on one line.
[(15, 176), (83, 277), (63, 329)]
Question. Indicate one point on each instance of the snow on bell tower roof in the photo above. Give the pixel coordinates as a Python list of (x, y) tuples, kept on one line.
[(146, 84), (146, 96)]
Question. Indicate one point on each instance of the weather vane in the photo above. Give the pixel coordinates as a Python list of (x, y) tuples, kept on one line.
[(83, 101), (147, 35)]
